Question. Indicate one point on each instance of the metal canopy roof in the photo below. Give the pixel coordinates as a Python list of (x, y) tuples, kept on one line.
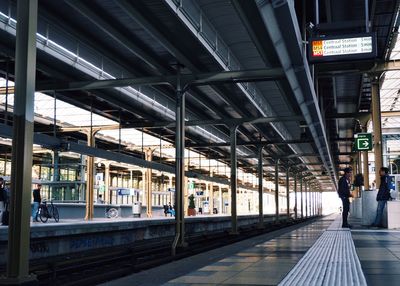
[(100, 40)]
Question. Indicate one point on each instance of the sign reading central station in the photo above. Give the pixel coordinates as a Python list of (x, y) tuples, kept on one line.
[(351, 47), (338, 47), (363, 141)]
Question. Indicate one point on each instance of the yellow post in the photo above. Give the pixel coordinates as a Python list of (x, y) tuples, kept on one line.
[(148, 185), (90, 179), (376, 122), (107, 196)]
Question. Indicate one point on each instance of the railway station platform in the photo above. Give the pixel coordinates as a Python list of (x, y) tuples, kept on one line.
[(318, 253), (73, 236)]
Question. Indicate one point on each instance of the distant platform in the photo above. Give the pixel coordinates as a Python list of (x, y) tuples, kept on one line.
[(77, 235)]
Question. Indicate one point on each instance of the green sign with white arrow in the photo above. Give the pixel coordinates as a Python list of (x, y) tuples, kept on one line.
[(363, 141)]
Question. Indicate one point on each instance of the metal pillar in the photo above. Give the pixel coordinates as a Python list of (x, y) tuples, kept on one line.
[(359, 163), (56, 172), (287, 194), (148, 153), (301, 195), (107, 194), (277, 190), (211, 197), (131, 179), (180, 166), (319, 202), (365, 170), (221, 204), (233, 180), (21, 166), (306, 203), (90, 178), (314, 205), (260, 188), (295, 196), (376, 122), (366, 12)]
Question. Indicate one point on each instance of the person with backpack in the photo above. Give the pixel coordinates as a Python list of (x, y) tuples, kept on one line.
[(345, 195), (382, 197), (3, 203)]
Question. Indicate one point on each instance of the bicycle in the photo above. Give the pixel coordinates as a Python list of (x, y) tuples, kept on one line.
[(44, 212)]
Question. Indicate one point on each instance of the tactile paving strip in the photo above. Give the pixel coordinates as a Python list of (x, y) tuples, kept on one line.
[(332, 260)]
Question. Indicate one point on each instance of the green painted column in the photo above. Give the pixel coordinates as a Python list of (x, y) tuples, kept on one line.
[(21, 170)]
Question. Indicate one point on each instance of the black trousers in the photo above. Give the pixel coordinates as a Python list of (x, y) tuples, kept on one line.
[(346, 208)]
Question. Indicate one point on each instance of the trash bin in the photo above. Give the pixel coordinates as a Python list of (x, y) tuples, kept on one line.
[(136, 209)]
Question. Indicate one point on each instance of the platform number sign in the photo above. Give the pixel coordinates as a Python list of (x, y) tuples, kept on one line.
[(363, 141)]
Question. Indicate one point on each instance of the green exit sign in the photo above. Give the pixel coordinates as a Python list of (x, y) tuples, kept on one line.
[(363, 141)]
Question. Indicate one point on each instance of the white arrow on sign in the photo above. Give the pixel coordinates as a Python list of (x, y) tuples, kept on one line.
[(365, 143)]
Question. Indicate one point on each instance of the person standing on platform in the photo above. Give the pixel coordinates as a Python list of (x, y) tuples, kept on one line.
[(383, 196), (344, 194), (36, 202), (3, 198)]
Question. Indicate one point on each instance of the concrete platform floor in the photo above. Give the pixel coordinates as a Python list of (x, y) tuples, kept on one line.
[(267, 259), (262, 260), (379, 254)]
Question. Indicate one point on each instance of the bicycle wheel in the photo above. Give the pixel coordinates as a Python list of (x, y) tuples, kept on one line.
[(112, 213), (56, 216), (43, 214)]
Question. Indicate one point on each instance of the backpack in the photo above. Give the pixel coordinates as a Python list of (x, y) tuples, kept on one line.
[(6, 216)]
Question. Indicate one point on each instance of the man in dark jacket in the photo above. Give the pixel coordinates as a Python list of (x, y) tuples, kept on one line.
[(3, 198), (344, 194), (36, 202), (383, 196)]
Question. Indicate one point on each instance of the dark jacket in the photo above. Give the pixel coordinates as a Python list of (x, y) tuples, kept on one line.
[(36, 196), (3, 194), (344, 188), (384, 189)]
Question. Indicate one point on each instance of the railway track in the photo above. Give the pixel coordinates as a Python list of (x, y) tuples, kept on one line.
[(94, 267)]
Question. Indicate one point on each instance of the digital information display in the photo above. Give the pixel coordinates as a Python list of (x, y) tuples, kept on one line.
[(342, 48)]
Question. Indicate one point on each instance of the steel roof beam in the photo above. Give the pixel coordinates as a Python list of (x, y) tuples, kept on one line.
[(290, 156), (51, 142), (117, 35), (282, 26), (251, 143), (187, 79), (227, 122)]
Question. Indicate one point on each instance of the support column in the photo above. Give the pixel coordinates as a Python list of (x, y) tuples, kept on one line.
[(148, 155), (359, 163), (260, 188), (306, 203), (107, 194), (179, 166), (277, 190), (221, 204), (233, 180), (313, 203), (301, 195), (56, 173), (376, 122), (90, 178), (365, 164), (211, 197), (131, 179), (287, 194), (21, 166), (295, 196)]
